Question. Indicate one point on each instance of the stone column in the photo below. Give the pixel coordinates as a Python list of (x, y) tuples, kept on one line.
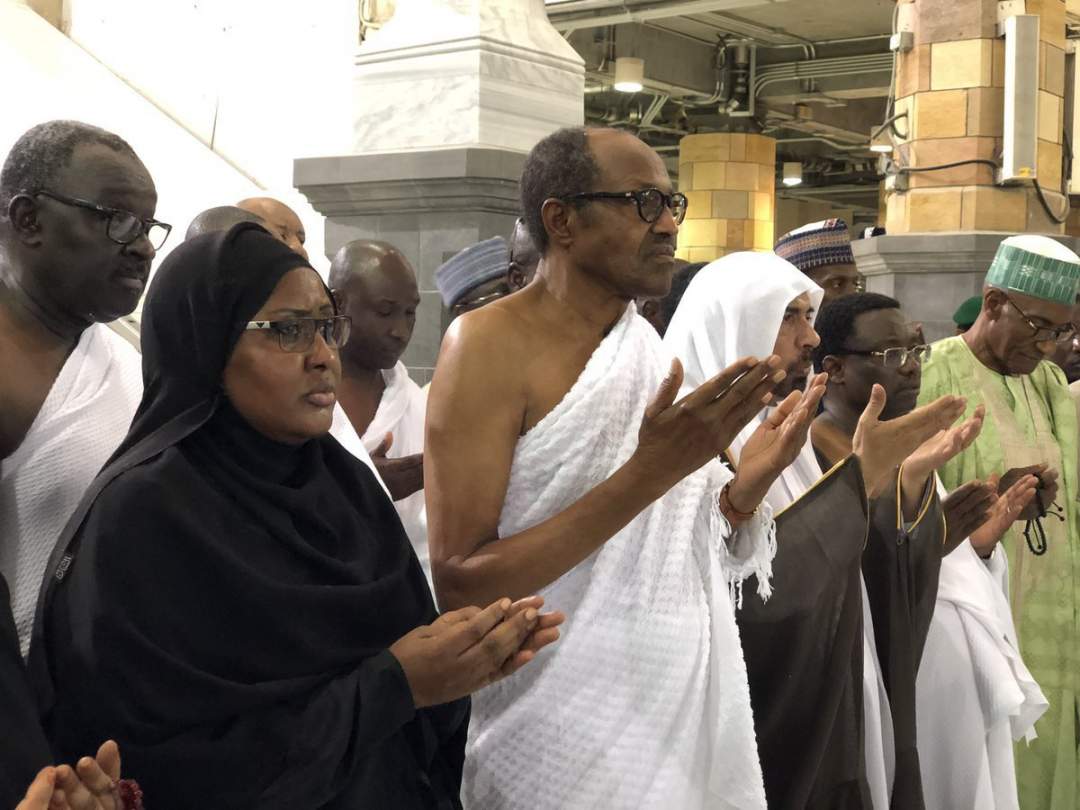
[(448, 97), (944, 229), (730, 180)]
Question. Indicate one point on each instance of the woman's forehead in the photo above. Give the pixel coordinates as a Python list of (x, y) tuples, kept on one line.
[(301, 290)]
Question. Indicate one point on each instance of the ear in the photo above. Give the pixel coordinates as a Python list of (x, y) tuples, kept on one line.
[(23, 214), (993, 302), (515, 278), (834, 367), (558, 218)]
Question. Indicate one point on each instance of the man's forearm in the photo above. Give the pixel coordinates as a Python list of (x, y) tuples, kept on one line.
[(522, 564)]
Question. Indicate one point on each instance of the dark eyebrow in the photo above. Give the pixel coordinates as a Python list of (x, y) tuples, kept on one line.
[(303, 313)]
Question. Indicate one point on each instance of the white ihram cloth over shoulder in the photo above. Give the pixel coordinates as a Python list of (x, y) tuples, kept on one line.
[(402, 411), (733, 308), (83, 419), (644, 701), (974, 694)]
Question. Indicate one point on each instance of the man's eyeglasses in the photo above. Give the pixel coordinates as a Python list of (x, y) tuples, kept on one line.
[(298, 334), (897, 356), (1058, 334), (651, 202), (122, 227)]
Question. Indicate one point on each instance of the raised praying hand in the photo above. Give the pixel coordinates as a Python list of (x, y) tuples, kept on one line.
[(775, 444), (882, 446), (967, 508), (1008, 508), (91, 785)]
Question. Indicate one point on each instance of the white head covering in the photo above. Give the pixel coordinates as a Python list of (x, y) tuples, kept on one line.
[(734, 308)]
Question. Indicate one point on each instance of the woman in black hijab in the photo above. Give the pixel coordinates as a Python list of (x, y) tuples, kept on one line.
[(235, 602)]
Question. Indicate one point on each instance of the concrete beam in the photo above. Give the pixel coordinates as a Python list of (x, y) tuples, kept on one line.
[(587, 14)]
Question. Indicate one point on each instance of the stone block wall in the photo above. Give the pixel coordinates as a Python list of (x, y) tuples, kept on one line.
[(730, 181), (951, 87)]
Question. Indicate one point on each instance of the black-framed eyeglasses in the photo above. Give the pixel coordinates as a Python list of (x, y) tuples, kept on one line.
[(897, 356), (122, 227), (298, 334), (1058, 334), (651, 202)]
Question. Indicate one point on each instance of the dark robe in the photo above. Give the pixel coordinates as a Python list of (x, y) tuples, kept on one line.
[(23, 748), (804, 651), (901, 568), (222, 605)]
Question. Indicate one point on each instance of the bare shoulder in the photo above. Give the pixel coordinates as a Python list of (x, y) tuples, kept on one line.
[(498, 338)]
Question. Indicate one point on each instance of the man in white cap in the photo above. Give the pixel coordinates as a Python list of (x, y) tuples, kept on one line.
[(822, 250), (1002, 363)]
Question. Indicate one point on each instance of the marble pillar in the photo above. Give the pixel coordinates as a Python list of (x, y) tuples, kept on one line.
[(448, 97), (729, 179)]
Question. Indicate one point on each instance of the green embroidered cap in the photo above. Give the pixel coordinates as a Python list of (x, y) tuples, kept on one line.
[(1037, 266)]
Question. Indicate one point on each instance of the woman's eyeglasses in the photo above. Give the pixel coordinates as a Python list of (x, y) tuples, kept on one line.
[(651, 202), (298, 334), (122, 227), (897, 356)]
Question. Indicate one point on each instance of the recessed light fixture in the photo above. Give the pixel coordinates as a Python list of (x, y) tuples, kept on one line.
[(792, 173), (629, 74), (880, 141)]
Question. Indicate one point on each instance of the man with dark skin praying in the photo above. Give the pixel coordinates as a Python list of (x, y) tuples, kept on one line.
[(221, 218), (1002, 363), (280, 220), (822, 250), (557, 458), (376, 287), (77, 236)]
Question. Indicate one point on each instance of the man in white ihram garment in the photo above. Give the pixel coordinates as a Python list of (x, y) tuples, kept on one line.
[(825, 736), (77, 236), (557, 460)]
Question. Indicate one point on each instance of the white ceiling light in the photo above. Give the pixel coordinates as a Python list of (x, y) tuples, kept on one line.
[(792, 174), (629, 74)]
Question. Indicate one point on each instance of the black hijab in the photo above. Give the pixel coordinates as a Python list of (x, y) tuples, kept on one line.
[(222, 604)]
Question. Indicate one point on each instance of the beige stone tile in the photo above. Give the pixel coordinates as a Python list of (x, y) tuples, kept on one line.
[(738, 147), (1051, 69), (709, 175), (763, 234), (1038, 221), (896, 213), (944, 20), (702, 233), (736, 230), (686, 177), (934, 209), (1050, 111), (767, 178), (964, 63), (763, 206), (1051, 20), (941, 151), (730, 204), (741, 177), (683, 253), (708, 147), (941, 114), (913, 71), (706, 254), (985, 111), (699, 204), (760, 149), (1049, 165), (997, 71), (987, 208)]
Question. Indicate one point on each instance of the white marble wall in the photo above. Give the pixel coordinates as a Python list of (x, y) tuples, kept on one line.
[(444, 73)]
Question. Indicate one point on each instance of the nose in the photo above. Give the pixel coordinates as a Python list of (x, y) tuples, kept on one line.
[(812, 338), (665, 223), (320, 354), (142, 247)]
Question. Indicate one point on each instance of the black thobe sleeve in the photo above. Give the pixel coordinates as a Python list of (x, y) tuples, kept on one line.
[(803, 650), (901, 565), (23, 749)]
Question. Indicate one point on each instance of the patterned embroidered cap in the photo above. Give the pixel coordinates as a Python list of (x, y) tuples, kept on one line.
[(471, 267), (1037, 266), (816, 245)]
